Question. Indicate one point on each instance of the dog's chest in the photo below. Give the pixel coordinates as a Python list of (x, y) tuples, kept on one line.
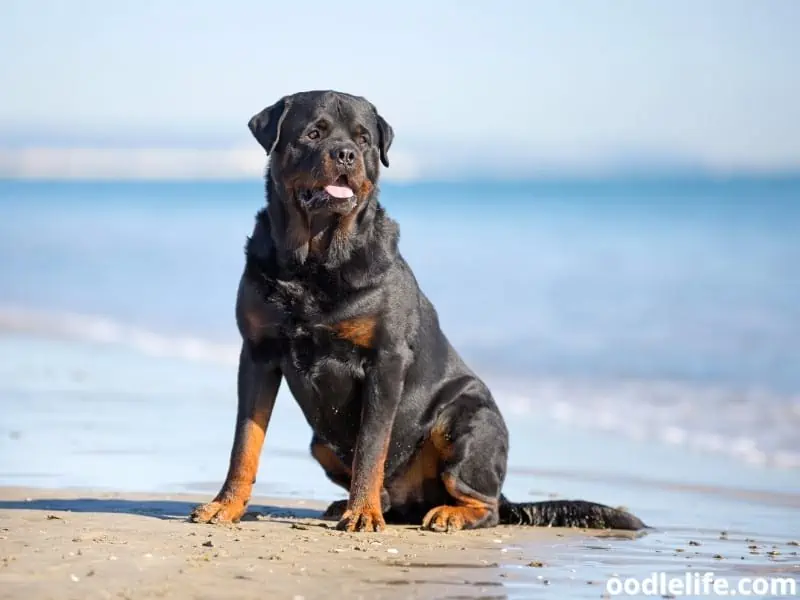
[(291, 317), (323, 360), (295, 324)]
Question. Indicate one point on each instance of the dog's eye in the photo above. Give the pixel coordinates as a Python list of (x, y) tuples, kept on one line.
[(363, 140), (313, 134)]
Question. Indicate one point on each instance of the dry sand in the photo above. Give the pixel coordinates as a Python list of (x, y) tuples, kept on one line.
[(89, 544), (63, 544)]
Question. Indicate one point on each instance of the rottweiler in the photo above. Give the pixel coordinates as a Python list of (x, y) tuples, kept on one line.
[(327, 302)]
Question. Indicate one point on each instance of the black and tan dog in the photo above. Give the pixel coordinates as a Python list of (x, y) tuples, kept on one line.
[(327, 302)]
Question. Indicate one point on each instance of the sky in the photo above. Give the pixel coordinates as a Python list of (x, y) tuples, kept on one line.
[(515, 87)]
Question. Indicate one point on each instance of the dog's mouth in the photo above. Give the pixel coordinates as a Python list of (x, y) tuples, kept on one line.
[(335, 197), (340, 189)]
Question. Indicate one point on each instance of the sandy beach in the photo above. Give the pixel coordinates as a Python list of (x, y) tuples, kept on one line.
[(85, 545), (89, 544)]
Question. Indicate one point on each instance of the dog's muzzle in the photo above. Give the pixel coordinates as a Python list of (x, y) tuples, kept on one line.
[(337, 197)]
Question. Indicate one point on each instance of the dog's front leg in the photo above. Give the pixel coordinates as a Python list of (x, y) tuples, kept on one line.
[(257, 388), (383, 388)]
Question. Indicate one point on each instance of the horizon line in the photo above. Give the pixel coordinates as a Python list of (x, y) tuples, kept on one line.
[(675, 176), (238, 163)]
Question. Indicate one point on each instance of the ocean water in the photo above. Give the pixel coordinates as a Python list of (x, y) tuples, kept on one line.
[(665, 312)]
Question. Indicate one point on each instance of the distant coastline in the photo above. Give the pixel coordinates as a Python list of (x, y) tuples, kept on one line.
[(415, 163), (574, 179)]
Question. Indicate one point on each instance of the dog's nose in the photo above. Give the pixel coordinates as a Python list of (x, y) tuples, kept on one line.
[(344, 155)]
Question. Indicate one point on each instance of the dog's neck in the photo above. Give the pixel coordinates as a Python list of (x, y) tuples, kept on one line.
[(327, 240)]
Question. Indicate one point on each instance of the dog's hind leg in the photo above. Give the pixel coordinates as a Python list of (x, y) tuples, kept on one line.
[(338, 472), (473, 445), (472, 440)]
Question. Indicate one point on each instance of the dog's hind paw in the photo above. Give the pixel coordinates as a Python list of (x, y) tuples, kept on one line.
[(336, 510), (448, 518)]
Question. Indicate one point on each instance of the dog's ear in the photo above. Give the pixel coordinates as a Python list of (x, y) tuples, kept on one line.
[(386, 135), (266, 125)]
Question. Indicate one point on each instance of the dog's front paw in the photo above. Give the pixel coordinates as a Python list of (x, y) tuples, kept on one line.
[(228, 510), (364, 519)]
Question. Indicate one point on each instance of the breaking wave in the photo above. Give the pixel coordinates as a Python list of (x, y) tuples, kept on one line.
[(102, 330)]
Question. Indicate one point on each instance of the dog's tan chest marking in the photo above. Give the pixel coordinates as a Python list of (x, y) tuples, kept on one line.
[(359, 330)]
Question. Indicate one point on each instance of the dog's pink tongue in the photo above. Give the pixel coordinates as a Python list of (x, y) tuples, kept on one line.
[(339, 191)]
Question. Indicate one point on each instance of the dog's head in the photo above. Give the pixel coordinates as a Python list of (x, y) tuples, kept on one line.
[(324, 149)]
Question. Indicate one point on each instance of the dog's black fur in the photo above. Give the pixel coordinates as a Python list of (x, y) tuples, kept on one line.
[(327, 303)]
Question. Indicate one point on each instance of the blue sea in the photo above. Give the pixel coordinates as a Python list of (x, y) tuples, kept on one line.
[(655, 321)]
